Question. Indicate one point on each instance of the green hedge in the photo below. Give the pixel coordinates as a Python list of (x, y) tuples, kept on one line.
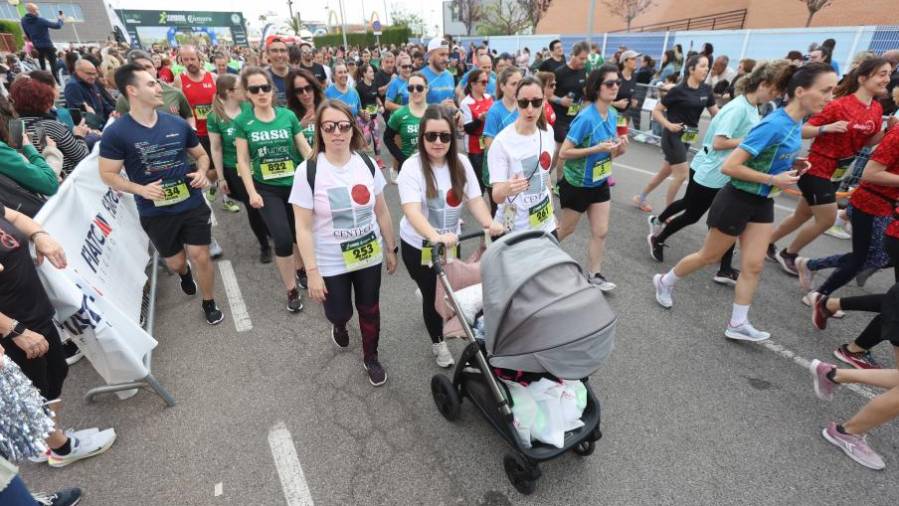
[(15, 29), (398, 35)]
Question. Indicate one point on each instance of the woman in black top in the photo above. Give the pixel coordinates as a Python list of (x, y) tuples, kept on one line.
[(678, 112), (371, 105), (626, 100)]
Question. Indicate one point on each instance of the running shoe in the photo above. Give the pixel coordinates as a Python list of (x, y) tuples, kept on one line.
[(820, 313), (393, 174), (65, 497), (727, 277), (377, 376), (655, 226), (838, 232), (303, 279), (294, 302), (787, 262), (339, 336), (824, 386), (862, 278), (215, 251), (214, 315), (856, 447), (600, 281), (745, 332), (642, 204), (418, 294), (656, 248), (265, 256), (83, 446), (230, 206), (806, 275), (211, 193), (860, 360), (810, 298), (771, 254), (663, 293), (188, 285), (640, 138), (442, 355)]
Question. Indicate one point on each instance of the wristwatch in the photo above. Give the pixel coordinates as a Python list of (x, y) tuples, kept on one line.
[(18, 328)]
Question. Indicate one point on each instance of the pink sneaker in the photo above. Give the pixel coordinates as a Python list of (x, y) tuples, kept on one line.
[(824, 387), (856, 447)]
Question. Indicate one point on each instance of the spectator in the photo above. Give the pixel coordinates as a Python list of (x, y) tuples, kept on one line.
[(721, 72), (669, 65), (30, 171), (84, 91), (795, 57), (831, 44), (220, 61), (60, 114), (37, 29)]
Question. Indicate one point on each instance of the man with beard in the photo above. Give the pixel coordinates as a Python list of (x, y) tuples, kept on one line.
[(441, 85), (278, 68), (383, 77), (556, 59), (566, 102), (307, 62)]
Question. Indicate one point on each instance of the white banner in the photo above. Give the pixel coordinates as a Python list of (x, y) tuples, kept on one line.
[(98, 296)]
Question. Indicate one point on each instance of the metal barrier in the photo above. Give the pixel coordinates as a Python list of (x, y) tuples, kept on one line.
[(148, 319)]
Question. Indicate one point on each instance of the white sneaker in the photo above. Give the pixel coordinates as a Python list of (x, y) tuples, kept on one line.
[(601, 282), (39, 459), (215, 251), (806, 275), (84, 446), (441, 351), (393, 175), (810, 298), (745, 332), (838, 231), (663, 293)]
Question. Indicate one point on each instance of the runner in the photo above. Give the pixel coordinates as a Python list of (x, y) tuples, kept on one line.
[(844, 127), (344, 231), (397, 92), (342, 91), (520, 159), (626, 101), (678, 112), (173, 101), (153, 148), (590, 145), (304, 95), (556, 59), (279, 67), (370, 106), (725, 132), (270, 145), (308, 64), (501, 114), (229, 98), (404, 122), (441, 89), (433, 186), (485, 64), (383, 77), (549, 88), (764, 163), (570, 81), (474, 111)]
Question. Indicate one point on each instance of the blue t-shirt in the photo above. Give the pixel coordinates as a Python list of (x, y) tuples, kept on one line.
[(491, 83), (773, 144), (398, 91), (733, 121), (280, 88), (440, 87), (153, 154), (498, 117), (350, 98), (589, 129)]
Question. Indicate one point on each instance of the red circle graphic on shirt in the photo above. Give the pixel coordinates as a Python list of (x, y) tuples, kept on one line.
[(545, 160), (360, 194), (452, 199)]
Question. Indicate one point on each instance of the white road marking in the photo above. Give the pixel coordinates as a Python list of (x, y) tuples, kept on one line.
[(218, 489), (293, 482), (239, 314)]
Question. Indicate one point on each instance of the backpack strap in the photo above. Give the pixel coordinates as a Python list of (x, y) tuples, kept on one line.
[(310, 173), (369, 163)]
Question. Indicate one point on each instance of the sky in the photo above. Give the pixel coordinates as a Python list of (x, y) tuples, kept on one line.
[(429, 10)]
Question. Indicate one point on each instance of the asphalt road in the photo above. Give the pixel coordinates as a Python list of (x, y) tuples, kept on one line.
[(688, 416)]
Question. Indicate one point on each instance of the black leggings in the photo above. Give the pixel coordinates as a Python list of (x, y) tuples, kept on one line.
[(277, 213), (49, 371), (873, 334), (852, 263), (366, 285), (477, 163), (426, 279), (696, 201), (239, 193)]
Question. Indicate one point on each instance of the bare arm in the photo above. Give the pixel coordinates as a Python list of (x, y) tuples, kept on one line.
[(303, 145), (215, 145), (735, 167), (876, 173), (569, 152), (722, 143), (111, 174)]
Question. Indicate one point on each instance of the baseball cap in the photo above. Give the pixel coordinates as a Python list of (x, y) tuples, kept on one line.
[(629, 54), (437, 43)]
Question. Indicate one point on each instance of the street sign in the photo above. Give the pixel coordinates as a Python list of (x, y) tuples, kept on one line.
[(376, 27)]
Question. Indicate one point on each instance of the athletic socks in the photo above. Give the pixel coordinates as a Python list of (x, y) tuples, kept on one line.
[(670, 278), (739, 315), (65, 449)]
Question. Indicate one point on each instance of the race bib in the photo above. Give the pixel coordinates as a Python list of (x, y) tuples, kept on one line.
[(843, 166), (573, 109), (538, 214), (174, 192), (427, 254), (361, 252), (201, 112), (602, 169), (371, 108), (276, 170), (689, 135), (482, 143)]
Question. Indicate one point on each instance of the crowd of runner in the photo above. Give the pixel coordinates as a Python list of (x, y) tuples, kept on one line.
[(292, 135)]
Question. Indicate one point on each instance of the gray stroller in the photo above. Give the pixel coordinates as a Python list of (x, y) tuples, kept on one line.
[(541, 316)]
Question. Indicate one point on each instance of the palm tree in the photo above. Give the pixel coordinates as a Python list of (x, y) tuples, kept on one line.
[(296, 24)]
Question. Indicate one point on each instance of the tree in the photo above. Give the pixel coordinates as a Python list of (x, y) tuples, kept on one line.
[(535, 10), (503, 17), (469, 12), (295, 24), (411, 20), (628, 9), (813, 7)]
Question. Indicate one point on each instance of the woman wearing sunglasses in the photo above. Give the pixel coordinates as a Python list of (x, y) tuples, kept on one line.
[(433, 185), (500, 115), (474, 109), (549, 89), (405, 120), (519, 160), (589, 147), (397, 92), (762, 165), (304, 95), (344, 230), (270, 146), (342, 90), (228, 104)]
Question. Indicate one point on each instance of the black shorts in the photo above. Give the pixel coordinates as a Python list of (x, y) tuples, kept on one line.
[(580, 198), (733, 209), (170, 232), (673, 148), (818, 191), (47, 372)]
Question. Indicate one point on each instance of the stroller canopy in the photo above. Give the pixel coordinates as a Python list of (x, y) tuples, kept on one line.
[(540, 312)]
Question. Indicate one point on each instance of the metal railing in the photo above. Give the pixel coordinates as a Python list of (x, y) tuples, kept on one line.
[(729, 20)]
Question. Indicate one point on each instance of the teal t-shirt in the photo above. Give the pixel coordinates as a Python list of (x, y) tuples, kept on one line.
[(273, 150), (733, 121), (773, 144), (588, 129)]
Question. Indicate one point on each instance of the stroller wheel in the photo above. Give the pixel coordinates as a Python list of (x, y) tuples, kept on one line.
[(521, 473), (584, 448), (446, 397)]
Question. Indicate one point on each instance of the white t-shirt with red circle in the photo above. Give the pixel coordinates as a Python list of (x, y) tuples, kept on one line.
[(443, 211), (345, 228)]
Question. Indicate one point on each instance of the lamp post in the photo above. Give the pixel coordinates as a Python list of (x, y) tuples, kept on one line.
[(343, 24)]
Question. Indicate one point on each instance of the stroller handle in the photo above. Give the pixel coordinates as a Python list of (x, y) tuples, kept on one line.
[(440, 248)]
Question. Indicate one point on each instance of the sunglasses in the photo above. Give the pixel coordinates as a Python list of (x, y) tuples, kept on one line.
[(445, 137), (304, 89), (611, 83), (255, 90), (406, 67), (536, 103), (484, 82), (330, 126), (416, 87)]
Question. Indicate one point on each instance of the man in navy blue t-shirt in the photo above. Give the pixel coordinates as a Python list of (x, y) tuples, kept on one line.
[(153, 147)]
